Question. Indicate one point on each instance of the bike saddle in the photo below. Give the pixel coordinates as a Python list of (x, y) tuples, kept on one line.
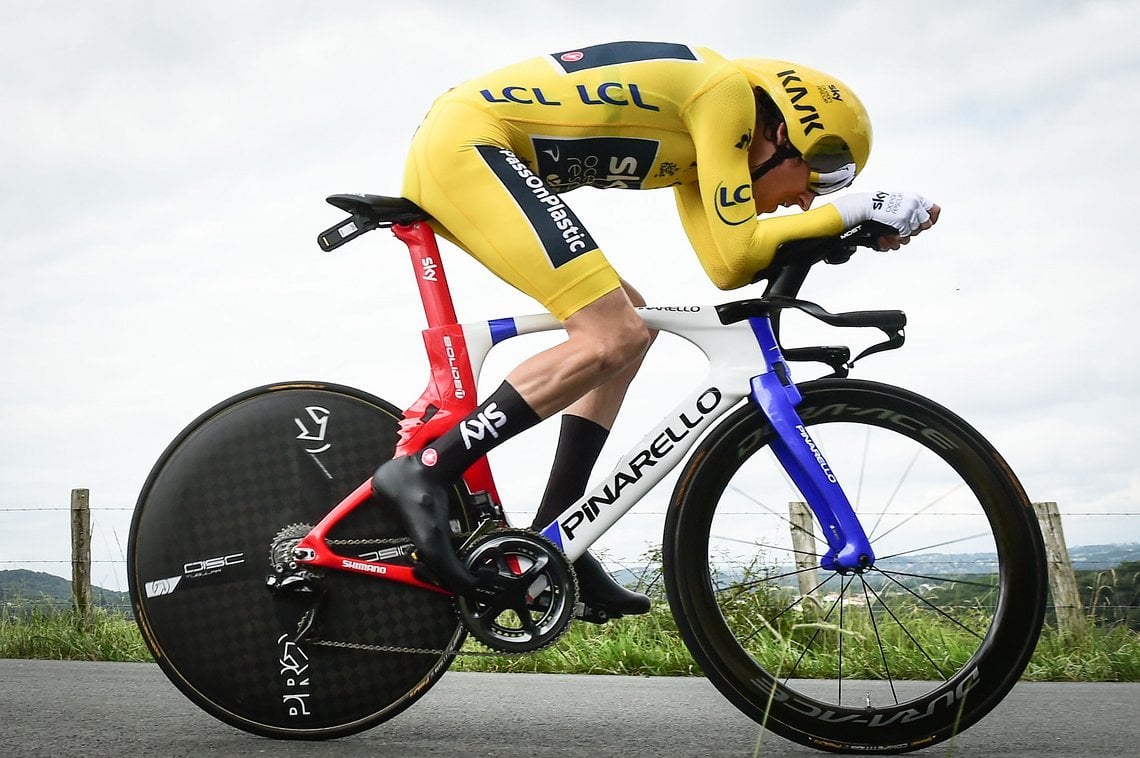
[(379, 209), (368, 212)]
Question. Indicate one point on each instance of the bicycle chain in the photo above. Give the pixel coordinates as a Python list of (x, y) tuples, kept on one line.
[(384, 540), (411, 650), (398, 648)]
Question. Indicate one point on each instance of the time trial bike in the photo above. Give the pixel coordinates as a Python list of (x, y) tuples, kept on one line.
[(281, 598)]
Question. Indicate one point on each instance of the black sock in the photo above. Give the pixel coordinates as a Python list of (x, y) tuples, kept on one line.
[(579, 445), (501, 416)]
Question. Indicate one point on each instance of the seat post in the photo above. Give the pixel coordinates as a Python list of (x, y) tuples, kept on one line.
[(430, 276)]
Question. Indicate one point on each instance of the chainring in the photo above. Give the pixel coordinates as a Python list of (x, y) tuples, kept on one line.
[(539, 592)]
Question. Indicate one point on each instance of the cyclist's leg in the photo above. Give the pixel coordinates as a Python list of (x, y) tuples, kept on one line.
[(416, 485), (512, 222), (606, 340), (580, 441), (602, 403), (585, 427)]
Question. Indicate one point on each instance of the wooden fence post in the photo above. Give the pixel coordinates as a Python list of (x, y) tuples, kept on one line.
[(803, 543), (1062, 580), (81, 555)]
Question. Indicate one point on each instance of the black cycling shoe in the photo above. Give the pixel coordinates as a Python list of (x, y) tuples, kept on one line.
[(422, 504), (600, 593)]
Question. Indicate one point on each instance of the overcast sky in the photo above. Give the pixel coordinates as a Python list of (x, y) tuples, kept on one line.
[(163, 168)]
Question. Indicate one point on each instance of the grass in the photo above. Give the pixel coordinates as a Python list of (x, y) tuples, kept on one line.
[(650, 646), (646, 645), (31, 632), (795, 641), (1104, 654)]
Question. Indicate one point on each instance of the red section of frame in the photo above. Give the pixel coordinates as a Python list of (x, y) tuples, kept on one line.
[(320, 554), (449, 397), (430, 277)]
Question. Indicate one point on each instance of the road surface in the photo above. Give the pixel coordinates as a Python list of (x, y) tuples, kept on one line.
[(58, 709)]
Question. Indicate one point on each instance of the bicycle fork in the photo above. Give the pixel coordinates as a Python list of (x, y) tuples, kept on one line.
[(849, 550)]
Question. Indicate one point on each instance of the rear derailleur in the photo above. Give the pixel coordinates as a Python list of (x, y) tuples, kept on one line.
[(292, 580)]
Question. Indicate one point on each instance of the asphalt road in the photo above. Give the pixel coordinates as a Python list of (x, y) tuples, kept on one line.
[(59, 709)]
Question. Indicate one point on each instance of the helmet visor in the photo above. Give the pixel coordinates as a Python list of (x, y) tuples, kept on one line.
[(831, 170), (826, 182)]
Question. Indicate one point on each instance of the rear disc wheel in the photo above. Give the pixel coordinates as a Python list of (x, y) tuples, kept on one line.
[(215, 515)]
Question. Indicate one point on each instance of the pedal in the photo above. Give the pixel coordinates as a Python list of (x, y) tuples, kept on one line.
[(584, 612), (421, 571), (484, 509)]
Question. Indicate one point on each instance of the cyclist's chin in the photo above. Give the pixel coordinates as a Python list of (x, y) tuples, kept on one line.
[(763, 207)]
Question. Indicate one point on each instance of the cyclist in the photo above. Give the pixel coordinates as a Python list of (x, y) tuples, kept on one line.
[(490, 164)]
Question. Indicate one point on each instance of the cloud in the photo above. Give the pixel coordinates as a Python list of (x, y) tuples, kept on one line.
[(164, 169)]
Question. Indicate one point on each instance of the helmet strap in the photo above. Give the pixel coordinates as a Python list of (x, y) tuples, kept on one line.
[(783, 152)]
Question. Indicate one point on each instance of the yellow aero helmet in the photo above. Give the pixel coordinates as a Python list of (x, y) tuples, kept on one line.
[(827, 124)]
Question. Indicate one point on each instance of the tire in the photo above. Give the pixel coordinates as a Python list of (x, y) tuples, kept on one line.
[(909, 653), (199, 555)]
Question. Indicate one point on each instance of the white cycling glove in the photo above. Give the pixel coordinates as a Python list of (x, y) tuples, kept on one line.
[(905, 211)]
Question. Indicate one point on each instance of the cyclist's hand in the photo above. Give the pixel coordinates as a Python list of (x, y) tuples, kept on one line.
[(895, 241), (908, 212)]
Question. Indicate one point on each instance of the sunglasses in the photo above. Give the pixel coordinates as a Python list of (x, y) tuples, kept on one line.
[(831, 171)]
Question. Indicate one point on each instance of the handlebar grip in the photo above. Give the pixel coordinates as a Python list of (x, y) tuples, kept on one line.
[(886, 320), (867, 233)]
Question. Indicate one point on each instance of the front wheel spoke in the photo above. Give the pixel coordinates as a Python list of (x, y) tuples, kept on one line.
[(878, 638), (770, 621), (772, 511), (925, 548), (814, 636), (753, 543), (839, 672), (932, 606), (946, 579), (918, 645), (956, 488), (741, 587), (898, 486)]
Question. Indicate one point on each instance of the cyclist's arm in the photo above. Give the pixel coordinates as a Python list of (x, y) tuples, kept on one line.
[(730, 256), (717, 211)]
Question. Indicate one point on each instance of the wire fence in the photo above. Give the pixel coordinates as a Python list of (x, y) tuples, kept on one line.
[(1103, 596)]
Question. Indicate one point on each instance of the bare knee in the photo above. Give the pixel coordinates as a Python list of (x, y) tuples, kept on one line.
[(620, 343), (629, 341), (610, 332)]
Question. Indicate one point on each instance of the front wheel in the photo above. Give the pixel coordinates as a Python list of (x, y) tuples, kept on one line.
[(897, 657)]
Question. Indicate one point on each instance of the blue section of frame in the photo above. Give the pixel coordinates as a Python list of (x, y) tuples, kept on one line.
[(554, 534), (502, 329), (776, 395)]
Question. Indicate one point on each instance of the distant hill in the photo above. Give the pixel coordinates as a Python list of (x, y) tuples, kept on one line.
[(35, 588), (1084, 558), (1099, 557)]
